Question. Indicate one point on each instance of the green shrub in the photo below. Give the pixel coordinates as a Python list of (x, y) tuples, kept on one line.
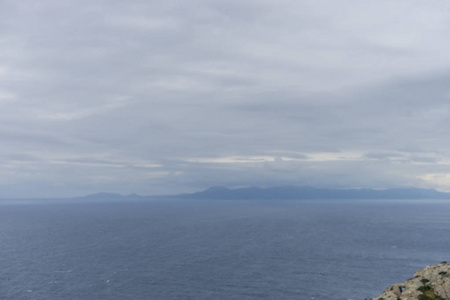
[(424, 288)]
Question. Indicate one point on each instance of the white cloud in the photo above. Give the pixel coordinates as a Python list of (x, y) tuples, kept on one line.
[(439, 180)]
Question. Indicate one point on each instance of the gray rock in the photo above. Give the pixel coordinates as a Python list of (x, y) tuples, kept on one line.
[(430, 283)]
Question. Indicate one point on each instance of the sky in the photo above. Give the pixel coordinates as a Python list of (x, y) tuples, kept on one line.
[(164, 97)]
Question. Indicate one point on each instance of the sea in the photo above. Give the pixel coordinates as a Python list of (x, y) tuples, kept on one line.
[(216, 249)]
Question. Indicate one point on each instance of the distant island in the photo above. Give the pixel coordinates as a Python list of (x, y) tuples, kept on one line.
[(258, 193), (307, 192), (283, 193)]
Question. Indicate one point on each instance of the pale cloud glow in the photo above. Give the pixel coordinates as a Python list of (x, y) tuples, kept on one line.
[(317, 157), (334, 156), (232, 159), (439, 180), (74, 114)]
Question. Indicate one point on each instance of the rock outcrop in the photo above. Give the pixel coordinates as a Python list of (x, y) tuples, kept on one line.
[(431, 283)]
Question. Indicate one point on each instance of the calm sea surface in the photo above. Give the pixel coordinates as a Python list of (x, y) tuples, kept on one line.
[(189, 249)]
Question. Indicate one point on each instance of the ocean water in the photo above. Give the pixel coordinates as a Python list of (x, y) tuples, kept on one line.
[(190, 249)]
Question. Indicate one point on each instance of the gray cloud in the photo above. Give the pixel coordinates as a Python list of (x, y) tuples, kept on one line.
[(173, 96)]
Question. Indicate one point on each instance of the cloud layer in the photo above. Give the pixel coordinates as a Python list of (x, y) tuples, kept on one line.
[(173, 96)]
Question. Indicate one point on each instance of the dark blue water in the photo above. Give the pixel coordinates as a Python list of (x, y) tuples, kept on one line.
[(217, 249)]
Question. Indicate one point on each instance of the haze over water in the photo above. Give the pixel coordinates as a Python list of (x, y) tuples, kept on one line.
[(179, 249)]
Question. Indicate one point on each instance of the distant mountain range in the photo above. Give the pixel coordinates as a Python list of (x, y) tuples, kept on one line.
[(279, 192), (306, 192)]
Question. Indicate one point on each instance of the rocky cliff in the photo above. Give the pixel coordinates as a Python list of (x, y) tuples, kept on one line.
[(431, 283)]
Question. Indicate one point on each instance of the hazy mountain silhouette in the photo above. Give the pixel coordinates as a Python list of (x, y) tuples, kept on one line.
[(306, 192), (279, 192)]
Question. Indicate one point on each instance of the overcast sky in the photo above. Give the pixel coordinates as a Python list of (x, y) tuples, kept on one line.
[(162, 97)]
